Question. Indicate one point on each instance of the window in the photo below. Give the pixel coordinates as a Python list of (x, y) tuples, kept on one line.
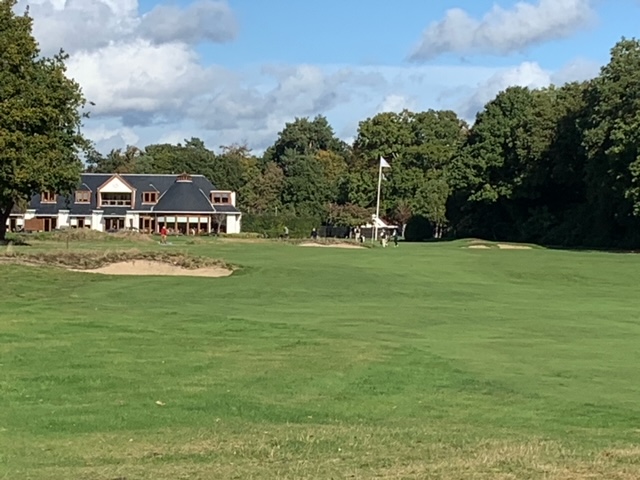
[(150, 197), (116, 199), (48, 197), (219, 198), (83, 197)]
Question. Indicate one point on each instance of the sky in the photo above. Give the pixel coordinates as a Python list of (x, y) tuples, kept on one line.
[(236, 71)]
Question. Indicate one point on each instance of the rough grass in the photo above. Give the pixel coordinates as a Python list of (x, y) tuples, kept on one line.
[(425, 361), (85, 235), (86, 260)]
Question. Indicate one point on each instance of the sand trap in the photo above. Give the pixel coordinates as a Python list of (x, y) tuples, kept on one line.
[(505, 246), (147, 267), (330, 245), (482, 247)]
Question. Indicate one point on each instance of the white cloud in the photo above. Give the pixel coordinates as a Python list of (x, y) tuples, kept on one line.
[(528, 74), (503, 31), (396, 103), (87, 25), (577, 70), (138, 77), (107, 137), (202, 20), (151, 87)]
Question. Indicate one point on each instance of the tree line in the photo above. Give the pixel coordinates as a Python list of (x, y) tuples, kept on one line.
[(556, 166)]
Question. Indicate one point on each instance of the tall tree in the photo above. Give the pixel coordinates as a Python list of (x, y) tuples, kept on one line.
[(40, 117), (612, 140), (420, 147), (305, 137), (264, 194), (192, 157)]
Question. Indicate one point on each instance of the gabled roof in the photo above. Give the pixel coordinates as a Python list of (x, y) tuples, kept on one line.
[(176, 196), (119, 176)]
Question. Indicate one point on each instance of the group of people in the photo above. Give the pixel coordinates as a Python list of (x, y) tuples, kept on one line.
[(384, 238)]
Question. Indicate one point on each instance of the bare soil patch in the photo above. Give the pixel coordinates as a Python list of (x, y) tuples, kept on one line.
[(506, 246), (330, 245), (149, 267)]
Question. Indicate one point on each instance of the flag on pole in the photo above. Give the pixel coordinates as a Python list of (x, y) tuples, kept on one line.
[(384, 163)]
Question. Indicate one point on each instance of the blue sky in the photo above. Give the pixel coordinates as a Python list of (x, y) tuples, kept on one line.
[(238, 70)]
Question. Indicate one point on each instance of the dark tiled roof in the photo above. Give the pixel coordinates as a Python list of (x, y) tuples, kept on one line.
[(176, 198), (226, 209), (184, 197)]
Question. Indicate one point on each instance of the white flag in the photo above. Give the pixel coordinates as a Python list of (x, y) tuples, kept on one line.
[(384, 163)]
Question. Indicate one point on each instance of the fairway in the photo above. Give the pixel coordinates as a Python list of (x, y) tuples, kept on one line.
[(423, 361)]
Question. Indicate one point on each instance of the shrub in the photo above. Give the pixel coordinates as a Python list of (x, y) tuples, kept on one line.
[(418, 229)]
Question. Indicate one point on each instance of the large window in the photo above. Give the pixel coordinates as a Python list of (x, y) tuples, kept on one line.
[(83, 197), (116, 199), (220, 198), (48, 197), (150, 197)]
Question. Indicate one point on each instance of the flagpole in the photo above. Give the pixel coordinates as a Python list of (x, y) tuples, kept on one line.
[(378, 202)]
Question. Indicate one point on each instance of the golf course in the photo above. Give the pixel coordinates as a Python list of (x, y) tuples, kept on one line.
[(430, 360)]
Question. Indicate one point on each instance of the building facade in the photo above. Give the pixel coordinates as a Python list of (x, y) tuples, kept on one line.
[(186, 204)]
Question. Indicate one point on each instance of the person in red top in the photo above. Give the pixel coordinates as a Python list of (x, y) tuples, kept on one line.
[(163, 234)]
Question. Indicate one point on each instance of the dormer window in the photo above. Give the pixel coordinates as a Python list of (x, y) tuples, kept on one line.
[(220, 198), (48, 197), (83, 197), (185, 177), (150, 197)]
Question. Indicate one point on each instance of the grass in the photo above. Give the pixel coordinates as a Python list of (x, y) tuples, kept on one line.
[(425, 361)]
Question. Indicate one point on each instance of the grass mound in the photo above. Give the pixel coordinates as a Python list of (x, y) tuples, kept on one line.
[(89, 260)]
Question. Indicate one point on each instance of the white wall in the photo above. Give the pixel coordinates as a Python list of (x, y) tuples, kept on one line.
[(96, 221), (233, 223), (132, 220), (63, 219)]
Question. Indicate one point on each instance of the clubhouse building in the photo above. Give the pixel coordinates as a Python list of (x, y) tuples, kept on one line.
[(186, 204)]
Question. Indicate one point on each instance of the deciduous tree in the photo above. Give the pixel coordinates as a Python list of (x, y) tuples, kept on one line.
[(40, 117)]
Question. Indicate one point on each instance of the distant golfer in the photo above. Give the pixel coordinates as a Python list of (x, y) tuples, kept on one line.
[(383, 238), (314, 234), (163, 234), (395, 237), (286, 232)]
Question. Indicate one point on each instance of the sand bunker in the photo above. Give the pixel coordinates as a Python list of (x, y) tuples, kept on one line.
[(330, 245), (147, 267), (482, 247), (506, 246)]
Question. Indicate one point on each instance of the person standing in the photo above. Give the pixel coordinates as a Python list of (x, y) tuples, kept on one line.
[(286, 233), (314, 234), (395, 237), (163, 234), (383, 238)]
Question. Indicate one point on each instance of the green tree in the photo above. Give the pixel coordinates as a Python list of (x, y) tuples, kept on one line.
[(40, 117), (305, 137), (612, 141), (420, 147), (131, 160), (193, 157), (264, 191)]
